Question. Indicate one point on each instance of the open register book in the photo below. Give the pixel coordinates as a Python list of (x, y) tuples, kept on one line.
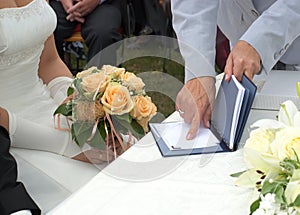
[(229, 116)]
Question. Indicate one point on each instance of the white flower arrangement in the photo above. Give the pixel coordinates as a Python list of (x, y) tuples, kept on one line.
[(272, 156)]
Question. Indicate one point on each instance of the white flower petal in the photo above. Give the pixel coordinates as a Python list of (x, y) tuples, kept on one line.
[(297, 119), (268, 124), (260, 161), (286, 112), (248, 179)]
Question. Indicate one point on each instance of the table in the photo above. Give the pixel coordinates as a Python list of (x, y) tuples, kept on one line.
[(142, 182)]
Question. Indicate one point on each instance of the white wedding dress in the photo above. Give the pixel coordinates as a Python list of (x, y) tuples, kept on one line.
[(23, 31)]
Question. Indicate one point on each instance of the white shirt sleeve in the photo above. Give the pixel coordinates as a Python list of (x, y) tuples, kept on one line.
[(195, 23)]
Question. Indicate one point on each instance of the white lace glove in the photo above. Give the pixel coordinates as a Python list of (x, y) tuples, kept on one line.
[(58, 88)]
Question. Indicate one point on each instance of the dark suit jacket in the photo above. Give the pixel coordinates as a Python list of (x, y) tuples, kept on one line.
[(13, 195)]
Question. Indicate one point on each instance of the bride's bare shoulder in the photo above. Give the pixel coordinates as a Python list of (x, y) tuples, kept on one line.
[(8, 4), (14, 3)]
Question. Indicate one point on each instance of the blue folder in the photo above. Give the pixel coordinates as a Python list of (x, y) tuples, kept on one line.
[(221, 122)]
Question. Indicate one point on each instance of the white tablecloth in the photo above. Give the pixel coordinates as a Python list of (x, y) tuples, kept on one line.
[(141, 181)]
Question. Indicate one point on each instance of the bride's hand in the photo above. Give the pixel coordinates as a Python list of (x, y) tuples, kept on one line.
[(95, 156)]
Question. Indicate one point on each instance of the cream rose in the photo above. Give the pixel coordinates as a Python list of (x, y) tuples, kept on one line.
[(112, 71), (91, 82), (116, 99), (286, 142), (260, 140), (257, 151), (87, 72), (133, 82), (143, 110)]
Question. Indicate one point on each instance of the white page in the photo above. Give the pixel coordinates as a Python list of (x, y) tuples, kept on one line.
[(237, 110), (174, 135)]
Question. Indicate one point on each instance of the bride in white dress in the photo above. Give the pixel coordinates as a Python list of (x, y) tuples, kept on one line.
[(33, 79)]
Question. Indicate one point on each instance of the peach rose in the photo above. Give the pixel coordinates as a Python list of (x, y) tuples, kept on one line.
[(91, 82), (87, 72), (144, 123), (116, 99), (127, 75), (133, 82), (143, 110)]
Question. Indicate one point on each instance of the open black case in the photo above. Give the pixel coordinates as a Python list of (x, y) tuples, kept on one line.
[(229, 117)]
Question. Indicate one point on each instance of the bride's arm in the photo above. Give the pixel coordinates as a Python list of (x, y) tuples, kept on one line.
[(51, 66), (54, 73)]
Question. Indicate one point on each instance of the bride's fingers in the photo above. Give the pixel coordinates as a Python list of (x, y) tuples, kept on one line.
[(95, 156), (98, 154)]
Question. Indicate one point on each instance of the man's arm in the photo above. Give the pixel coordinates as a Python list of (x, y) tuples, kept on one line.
[(195, 23), (274, 31)]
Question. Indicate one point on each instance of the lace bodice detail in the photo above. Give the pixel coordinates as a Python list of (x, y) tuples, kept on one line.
[(34, 7)]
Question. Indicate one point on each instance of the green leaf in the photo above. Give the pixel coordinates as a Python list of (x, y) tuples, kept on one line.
[(70, 91), (81, 132), (237, 174), (269, 187), (125, 117), (289, 165), (279, 194), (99, 140), (77, 86), (73, 132), (297, 201), (255, 205), (276, 187), (137, 129), (64, 109), (298, 88), (122, 125)]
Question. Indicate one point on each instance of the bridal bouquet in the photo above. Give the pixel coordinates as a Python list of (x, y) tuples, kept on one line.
[(272, 154), (105, 105)]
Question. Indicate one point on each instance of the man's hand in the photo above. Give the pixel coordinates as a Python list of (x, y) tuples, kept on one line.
[(243, 59), (67, 4), (194, 103), (83, 7)]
